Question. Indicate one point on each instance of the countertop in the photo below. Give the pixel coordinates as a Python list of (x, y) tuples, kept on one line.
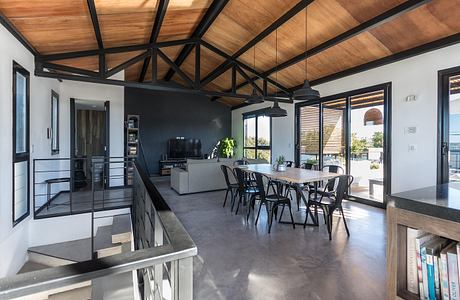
[(440, 201)]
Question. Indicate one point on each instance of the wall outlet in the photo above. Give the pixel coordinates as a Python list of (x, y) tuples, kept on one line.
[(411, 98), (412, 148)]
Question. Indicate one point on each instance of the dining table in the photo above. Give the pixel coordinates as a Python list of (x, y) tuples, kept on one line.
[(296, 177)]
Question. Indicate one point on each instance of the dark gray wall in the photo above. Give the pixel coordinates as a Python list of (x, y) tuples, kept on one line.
[(165, 115)]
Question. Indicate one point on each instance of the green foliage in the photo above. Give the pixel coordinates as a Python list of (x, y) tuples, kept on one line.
[(374, 166), (227, 147), (280, 160), (377, 139), (358, 145)]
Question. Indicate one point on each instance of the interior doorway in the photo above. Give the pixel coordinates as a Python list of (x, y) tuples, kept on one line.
[(89, 143)]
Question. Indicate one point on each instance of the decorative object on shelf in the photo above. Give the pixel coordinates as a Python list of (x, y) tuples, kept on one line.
[(306, 93), (373, 117), (276, 111), (132, 146), (281, 164), (227, 147), (254, 98)]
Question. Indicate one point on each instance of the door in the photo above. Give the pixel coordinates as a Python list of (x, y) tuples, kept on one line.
[(349, 130), (449, 125)]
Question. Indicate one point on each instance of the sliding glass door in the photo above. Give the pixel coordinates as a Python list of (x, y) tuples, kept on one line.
[(449, 126), (349, 130)]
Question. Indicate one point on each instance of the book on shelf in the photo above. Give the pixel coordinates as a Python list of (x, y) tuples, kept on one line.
[(444, 276), (452, 270), (412, 268), (422, 238), (432, 251)]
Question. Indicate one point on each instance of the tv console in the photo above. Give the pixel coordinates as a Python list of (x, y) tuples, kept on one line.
[(167, 164)]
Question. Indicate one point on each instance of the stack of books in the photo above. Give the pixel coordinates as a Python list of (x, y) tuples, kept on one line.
[(432, 266)]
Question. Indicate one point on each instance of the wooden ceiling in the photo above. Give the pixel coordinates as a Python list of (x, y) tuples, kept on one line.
[(61, 26)]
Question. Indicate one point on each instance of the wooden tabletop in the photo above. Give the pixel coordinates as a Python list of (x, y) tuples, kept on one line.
[(292, 175)]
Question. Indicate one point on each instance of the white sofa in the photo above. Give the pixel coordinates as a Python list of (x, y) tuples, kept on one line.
[(201, 175)]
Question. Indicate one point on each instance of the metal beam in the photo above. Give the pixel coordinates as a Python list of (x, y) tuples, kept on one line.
[(10, 27), (126, 64), (211, 14), (363, 27), (161, 12), (176, 68), (250, 80), (94, 19), (68, 69), (280, 21), (197, 65), (428, 47)]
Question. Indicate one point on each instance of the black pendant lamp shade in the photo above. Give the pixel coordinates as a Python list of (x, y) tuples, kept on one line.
[(276, 111), (305, 92), (254, 98)]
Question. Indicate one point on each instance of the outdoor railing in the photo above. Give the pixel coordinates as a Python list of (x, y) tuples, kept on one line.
[(161, 260)]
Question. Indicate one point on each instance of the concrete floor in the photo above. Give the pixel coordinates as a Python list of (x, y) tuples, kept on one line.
[(237, 260)]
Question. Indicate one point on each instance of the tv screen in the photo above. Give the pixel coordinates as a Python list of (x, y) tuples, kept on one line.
[(183, 148)]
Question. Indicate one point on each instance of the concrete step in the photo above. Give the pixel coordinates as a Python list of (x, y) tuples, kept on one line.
[(30, 266), (59, 254), (83, 293), (103, 245), (121, 229)]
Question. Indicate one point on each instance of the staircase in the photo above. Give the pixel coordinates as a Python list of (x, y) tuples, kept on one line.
[(109, 240)]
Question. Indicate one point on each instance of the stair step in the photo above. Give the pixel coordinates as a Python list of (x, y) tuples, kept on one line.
[(83, 293), (59, 254), (30, 266), (121, 229), (103, 242)]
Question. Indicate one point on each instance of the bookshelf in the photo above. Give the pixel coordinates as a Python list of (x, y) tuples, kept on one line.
[(132, 146), (398, 220)]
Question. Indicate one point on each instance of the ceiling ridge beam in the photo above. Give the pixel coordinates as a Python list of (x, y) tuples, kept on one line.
[(272, 27), (363, 27), (159, 17), (211, 14)]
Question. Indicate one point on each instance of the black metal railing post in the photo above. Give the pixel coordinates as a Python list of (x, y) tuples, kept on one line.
[(92, 213)]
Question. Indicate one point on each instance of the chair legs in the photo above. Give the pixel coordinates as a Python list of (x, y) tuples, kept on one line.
[(344, 221), (226, 195)]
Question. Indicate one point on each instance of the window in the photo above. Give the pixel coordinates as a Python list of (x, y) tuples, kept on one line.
[(54, 122), (21, 155), (257, 136)]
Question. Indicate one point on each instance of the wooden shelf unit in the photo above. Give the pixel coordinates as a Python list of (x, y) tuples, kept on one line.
[(398, 220), (132, 146)]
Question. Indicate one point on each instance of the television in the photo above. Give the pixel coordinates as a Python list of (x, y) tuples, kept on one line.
[(184, 148)]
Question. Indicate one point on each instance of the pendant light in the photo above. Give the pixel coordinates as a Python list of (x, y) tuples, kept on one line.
[(254, 98), (305, 92), (276, 111)]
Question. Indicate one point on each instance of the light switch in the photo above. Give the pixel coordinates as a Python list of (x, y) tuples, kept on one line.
[(412, 148), (411, 98), (410, 130)]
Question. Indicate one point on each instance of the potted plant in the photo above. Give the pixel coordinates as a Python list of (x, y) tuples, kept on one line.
[(227, 147), (281, 164)]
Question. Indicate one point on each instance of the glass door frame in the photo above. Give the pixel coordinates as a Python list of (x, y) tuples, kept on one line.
[(443, 123), (386, 87)]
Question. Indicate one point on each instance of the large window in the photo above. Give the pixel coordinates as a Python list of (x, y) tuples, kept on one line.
[(21, 155), (257, 136), (349, 130)]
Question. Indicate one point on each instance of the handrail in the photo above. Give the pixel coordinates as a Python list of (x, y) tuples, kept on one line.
[(180, 246)]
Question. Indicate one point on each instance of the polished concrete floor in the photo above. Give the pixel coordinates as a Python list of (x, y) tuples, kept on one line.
[(237, 260)]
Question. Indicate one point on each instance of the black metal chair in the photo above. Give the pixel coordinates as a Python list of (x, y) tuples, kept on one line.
[(245, 189), (271, 201), (334, 169), (337, 189), (240, 162), (307, 166), (231, 187), (289, 163)]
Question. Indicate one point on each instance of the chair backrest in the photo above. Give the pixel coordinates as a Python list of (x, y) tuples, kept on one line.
[(240, 178), (289, 163), (307, 166), (334, 169), (225, 169), (342, 184), (240, 162), (259, 178)]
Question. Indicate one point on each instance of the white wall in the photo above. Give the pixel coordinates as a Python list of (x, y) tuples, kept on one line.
[(282, 130), (413, 76), (15, 241)]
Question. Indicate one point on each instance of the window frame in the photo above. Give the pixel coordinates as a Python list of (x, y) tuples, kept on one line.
[(255, 114), (23, 156)]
